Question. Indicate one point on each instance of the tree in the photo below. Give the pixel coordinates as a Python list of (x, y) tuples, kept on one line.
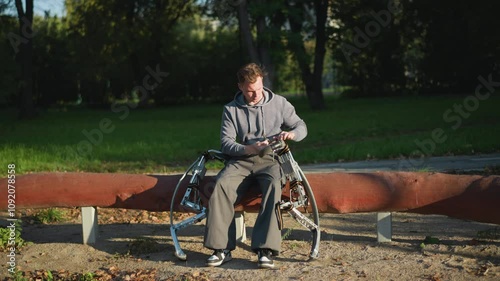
[(3, 6), (459, 45), (25, 17), (259, 49), (297, 17), (275, 22), (130, 37), (9, 68), (402, 47)]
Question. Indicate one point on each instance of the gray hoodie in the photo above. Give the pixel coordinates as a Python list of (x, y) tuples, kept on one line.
[(244, 124)]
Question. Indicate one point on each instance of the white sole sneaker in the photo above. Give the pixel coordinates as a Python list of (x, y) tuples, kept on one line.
[(215, 260), (265, 262), (266, 265)]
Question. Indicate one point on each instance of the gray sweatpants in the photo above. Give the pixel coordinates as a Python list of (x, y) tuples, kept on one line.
[(237, 177)]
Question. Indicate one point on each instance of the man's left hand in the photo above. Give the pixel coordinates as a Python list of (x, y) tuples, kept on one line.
[(286, 136)]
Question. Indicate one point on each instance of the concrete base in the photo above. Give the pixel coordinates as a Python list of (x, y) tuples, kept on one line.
[(384, 227), (241, 233), (89, 224)]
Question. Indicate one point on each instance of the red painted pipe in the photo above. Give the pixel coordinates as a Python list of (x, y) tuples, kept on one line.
[(461, 196)]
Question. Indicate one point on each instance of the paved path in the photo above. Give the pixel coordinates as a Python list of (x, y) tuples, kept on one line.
[(444, 163)]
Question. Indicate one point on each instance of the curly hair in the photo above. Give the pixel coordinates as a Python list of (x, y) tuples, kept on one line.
[(249, 73)]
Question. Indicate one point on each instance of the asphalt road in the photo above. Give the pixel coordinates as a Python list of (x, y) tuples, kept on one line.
[(437, 164)]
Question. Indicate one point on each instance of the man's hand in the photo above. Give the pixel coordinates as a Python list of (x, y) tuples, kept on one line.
[(286, 136), (256, 147)]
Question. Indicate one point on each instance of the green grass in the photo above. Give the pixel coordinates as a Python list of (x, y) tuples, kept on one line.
[(50, 215), (9, 241), (168, 139)]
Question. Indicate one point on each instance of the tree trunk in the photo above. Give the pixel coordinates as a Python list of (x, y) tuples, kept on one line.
[(263, 46), (245, 31), (312, 79), (259, 52), (317, 100), (26, 105)]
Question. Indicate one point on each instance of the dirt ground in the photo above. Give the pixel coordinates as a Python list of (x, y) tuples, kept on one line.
[(135, 245)]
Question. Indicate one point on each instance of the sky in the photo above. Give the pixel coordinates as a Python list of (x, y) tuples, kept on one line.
[(56, 7)]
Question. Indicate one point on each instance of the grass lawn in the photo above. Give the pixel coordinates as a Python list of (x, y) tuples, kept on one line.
[(159, 140)]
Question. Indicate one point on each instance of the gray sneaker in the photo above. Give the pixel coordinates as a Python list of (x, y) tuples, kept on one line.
[(219, 257)]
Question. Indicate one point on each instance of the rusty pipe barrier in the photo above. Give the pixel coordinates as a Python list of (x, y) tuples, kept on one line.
[(471, 197)]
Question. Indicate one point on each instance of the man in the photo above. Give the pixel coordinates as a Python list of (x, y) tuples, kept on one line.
[(248, 121)]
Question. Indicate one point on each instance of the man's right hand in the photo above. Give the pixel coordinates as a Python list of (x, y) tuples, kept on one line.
[(256, 147)]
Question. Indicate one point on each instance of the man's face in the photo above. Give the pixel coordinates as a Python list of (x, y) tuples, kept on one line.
[(253, 92)]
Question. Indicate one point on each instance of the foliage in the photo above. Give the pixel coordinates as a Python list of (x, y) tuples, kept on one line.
[(417, 47), (102, 274), (130, 37), (367, 51), (55, 69), (18, 275), (429, 240), (9, 71), (50, 215), (287, 234), (5, 235), (206, 71)]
